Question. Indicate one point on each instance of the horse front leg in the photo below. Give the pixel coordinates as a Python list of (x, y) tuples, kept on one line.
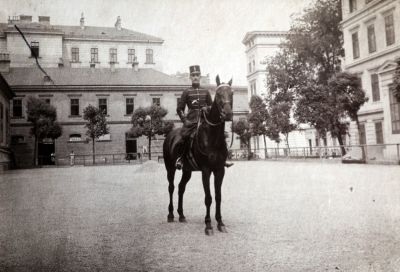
[(218, 179), (171, 188), (206, 173), (186, 175)]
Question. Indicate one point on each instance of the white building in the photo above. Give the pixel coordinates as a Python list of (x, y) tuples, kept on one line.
[(260, 45), (371, 31), (78, 46)]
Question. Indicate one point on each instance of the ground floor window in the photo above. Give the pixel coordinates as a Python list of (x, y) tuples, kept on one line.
[(362, 135), (394, 112), (379, 132)]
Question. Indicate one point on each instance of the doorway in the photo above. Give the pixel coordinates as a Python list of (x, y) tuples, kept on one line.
[(131, 147), (46, 152)]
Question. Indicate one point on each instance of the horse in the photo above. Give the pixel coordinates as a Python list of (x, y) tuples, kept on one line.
[(208, 154)]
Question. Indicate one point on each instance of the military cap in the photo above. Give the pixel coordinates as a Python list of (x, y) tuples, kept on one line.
[(194, 69)]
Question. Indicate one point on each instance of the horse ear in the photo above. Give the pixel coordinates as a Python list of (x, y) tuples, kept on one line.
[(218, 80), (230, 82)]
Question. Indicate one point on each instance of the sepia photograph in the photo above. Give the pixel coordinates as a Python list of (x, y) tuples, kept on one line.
[(208, 135)]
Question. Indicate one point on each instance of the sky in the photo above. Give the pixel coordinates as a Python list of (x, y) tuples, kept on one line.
[(204, 32)]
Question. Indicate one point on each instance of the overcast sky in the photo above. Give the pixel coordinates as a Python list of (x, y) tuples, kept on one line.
[(204, 32)]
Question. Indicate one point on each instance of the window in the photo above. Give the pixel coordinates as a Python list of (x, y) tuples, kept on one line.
[(131, 55), (249, 67), (74, 107), (156, 101), (17, 108), (371, 38), (375, 87), (113, 55), (363, 139), (389, 29), (105, 137), (394, 112), (149, 56), (94, 55), (129, 105), (35, 49), (356, 46), (103, 105), (352, 5), (75, 54), (75, 138), (379, 132), (254, 65)]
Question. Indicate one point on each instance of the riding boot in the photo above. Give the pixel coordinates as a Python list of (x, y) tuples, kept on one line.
[(179, 160)]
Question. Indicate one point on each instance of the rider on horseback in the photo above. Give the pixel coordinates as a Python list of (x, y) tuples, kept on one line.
[(197, 100)]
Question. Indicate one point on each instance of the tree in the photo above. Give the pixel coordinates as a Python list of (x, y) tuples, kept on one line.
[(96, 125), (43, 117), (347, 95), (258, 117), (242, 129), (150, 121)]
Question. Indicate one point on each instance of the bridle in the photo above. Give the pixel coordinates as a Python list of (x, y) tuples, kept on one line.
[(221, 120)]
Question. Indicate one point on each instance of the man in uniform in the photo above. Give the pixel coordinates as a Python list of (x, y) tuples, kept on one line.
[(197, 100)]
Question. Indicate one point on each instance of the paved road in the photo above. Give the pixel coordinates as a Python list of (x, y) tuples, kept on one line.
[(281, 216)]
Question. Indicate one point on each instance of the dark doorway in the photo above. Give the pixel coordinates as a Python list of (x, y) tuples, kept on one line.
[(131, 148), (46, 152)]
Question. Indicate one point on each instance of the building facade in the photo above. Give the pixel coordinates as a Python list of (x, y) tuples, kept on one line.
[(115, 69), (371, 31), (6, 94)]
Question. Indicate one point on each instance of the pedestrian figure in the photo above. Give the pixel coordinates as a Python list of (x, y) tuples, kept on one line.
[(72, 158)]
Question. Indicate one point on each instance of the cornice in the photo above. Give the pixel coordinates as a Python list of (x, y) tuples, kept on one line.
[(374, 56)]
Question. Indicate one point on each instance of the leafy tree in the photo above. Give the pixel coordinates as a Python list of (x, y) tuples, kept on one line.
[(280, 118), (43, 117), (150, 121), (242, 129), (396, 81), (258, 116), (96, 125)]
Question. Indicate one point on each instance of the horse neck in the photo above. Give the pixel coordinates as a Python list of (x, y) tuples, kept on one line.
[(216, 134)]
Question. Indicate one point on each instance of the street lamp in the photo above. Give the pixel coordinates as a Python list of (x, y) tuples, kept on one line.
[(148, 119)]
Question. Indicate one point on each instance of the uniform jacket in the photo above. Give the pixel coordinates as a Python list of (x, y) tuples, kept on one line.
[(194, 99)]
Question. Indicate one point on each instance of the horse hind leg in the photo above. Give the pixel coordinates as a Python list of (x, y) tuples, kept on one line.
[(186, 175), (171, 188)]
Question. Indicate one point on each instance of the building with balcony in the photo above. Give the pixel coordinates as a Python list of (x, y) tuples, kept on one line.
[(371, 32)]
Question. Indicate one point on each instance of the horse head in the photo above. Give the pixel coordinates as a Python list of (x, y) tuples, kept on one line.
[(224, 99)]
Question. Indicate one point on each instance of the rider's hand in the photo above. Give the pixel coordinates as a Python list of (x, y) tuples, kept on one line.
[(204, 109)]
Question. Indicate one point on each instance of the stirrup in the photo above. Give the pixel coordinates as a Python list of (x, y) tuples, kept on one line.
[(178, 163)]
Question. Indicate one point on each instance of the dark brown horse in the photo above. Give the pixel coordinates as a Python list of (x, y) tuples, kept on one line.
[(208, 153)]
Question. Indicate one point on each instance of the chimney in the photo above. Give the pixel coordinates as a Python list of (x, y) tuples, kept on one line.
[(45, 20), (25, 19), (135, 64), (82, 21), (4, 63), (118, 23)]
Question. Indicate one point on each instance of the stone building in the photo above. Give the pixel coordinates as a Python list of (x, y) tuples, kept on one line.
[(113, 68), (371, 31), (6, 94), (260, 45)]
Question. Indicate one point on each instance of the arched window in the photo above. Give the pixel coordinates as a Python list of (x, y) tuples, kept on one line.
[(75, 138)]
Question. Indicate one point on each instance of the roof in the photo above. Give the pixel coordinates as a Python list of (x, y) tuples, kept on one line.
[(32, 76), (250, 35), (88, 32), (5, 88)]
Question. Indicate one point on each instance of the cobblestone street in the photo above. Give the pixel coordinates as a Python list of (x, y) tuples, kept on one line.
[(280, 216)]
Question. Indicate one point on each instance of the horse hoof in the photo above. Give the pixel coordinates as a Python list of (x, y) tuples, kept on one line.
[(222, 229), (209, 232), (170, 219), (182, 219)]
